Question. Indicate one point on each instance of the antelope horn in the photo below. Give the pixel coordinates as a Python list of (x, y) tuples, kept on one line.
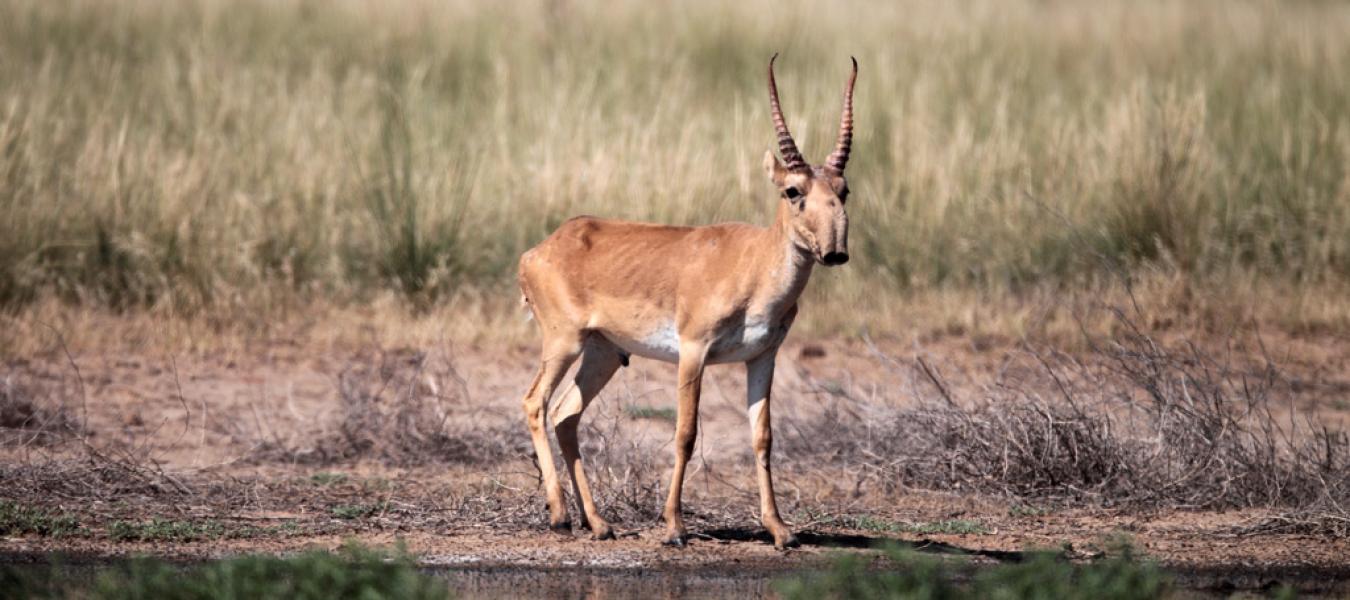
[(839, 157), (786, 146)]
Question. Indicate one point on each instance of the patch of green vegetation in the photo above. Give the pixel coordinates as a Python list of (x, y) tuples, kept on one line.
[(353, 572), (376, 484), (165, 530), (18, 519), (250, 531), (650, 412), (170, 530), (1042, 576), (865, 522), (358, 511), (953, 526), (1027, 510), (326, 478), (870, 523)]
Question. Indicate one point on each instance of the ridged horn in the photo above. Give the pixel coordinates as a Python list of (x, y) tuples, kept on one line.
[(791, 156), (839, 158)]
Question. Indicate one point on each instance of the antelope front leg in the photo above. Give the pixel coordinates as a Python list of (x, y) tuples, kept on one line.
[(692, 358), (758, 383)]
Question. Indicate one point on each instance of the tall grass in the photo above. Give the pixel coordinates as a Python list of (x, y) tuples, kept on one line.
[(212, 153)]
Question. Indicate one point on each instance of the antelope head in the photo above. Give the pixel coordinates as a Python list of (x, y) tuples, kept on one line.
[(814, 196)]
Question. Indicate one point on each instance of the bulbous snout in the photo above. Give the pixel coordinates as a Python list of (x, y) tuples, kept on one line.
[(834, 251)]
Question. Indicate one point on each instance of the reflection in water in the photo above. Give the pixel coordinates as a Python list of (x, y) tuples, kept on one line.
[(507, 582)]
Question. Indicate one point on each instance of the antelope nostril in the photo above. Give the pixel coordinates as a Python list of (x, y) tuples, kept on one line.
[(835, 258)]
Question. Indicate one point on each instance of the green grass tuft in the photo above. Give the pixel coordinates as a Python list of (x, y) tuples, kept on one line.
[(164, 530), (324, 479), (1027, 510), (170, 530), (655, 413), (352, 572), (357, 511), (1043, 576), (870, 523), (18, 519)]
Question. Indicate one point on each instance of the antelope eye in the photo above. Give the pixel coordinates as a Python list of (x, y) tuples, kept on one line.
[(793, 193)]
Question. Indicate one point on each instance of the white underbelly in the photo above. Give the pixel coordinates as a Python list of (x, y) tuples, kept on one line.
[(739, 343), (661, 343)]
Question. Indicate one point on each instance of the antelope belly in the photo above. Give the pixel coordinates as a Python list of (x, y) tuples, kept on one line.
[(660, 343)]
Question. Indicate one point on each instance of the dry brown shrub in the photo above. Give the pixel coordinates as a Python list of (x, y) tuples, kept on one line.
[(398, 412), (31, 414), (1216, 441), (97, 474), (625, 474), (57, 456), (1141, 424)]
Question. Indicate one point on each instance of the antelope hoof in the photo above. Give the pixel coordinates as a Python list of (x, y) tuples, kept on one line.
[(782, 536), (561, 526), (602, 532), (676, 540)]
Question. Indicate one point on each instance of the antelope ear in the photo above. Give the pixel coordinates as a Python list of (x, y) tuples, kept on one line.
[(774, 169)]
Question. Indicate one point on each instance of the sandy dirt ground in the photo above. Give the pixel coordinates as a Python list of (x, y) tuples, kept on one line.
[(235, 450)]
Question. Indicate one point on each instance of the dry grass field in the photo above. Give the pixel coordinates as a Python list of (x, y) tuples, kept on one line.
[(257, 284)]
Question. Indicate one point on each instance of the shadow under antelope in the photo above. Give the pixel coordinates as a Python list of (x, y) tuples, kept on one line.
[(604, 290)]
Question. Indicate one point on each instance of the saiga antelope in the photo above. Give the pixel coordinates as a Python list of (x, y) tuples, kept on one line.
[(603, 290)]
